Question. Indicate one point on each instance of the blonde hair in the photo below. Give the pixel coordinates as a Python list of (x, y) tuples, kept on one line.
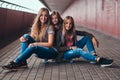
[(36, 30)]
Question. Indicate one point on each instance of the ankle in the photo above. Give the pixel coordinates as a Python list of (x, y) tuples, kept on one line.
[(98, 59)]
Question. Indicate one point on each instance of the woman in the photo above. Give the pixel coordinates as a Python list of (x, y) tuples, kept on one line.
[(39, 42), (67, 45)]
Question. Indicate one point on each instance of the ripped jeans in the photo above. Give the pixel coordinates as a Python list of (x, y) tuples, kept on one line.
[(70, 54), (79, 52)]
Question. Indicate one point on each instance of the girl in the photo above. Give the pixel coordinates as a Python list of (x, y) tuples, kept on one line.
[(67, 45), (39, 42), (56, 22)]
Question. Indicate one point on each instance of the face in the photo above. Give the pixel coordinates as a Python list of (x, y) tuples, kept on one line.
[(43, 17), (54, 19), (68, 24)]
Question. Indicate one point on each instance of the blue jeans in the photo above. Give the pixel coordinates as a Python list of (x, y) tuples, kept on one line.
[(86, 41), (79, 52), (40, 51), (70, 54)]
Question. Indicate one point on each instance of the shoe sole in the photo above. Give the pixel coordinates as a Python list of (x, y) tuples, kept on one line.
[(22, 67), (104, 65), (7, 68)]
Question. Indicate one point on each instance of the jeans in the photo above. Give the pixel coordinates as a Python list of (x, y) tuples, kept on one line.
[(70, 54), (79, 51), (86, 41), (40, 51)]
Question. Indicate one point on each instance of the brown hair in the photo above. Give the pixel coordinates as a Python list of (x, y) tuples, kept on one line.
[(60, 20)]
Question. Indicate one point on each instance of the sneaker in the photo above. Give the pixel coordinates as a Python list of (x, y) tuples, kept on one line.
[(11, 65), (104, 62)]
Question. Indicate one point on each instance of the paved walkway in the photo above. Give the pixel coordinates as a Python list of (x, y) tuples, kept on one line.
[(79, 70)]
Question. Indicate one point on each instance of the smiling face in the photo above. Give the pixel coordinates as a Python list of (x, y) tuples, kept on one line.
[(54, 19), (68, 24), (43, 17)]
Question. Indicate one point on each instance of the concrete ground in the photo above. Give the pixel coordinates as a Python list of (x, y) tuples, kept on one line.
[(80, 69)]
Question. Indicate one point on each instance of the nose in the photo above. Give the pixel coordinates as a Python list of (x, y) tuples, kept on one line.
[(68, 25), (43, 17)]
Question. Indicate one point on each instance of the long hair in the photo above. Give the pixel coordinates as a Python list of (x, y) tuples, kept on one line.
[(38, 32), (71, 32), (60, 20)]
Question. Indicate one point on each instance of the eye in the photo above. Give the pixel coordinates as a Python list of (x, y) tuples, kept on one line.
[(66, 23), (46, 15), (41, 15)]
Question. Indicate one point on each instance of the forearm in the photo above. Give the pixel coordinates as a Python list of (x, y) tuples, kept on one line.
[(83, 33), (62, 49), (45, 44)]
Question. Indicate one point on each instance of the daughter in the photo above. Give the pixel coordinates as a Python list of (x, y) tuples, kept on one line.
[(67, 45)]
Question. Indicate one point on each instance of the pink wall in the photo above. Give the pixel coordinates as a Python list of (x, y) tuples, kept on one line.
[(102, 15), (12, 22)]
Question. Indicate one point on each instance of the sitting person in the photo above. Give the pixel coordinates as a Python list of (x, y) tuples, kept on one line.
[(67, 45), (40, 42)]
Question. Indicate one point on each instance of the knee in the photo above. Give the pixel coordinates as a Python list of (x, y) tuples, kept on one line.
[(87, 37), (32, 48), (67, 55), (26, 36)]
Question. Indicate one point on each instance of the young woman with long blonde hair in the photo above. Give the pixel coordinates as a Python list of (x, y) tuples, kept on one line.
[(40, 41)]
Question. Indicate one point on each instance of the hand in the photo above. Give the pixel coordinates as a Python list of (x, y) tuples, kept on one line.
[(74, 47), (22, 39), (33, 44), (95, 41)]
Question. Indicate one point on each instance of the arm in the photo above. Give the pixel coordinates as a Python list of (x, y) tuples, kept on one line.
[(46, 44), (95, 42), (49, 37), (62, 49), (84, 33), (22, 39)]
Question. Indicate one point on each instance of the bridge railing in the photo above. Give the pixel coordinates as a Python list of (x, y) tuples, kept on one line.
[(9, 5), (12, 22)]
